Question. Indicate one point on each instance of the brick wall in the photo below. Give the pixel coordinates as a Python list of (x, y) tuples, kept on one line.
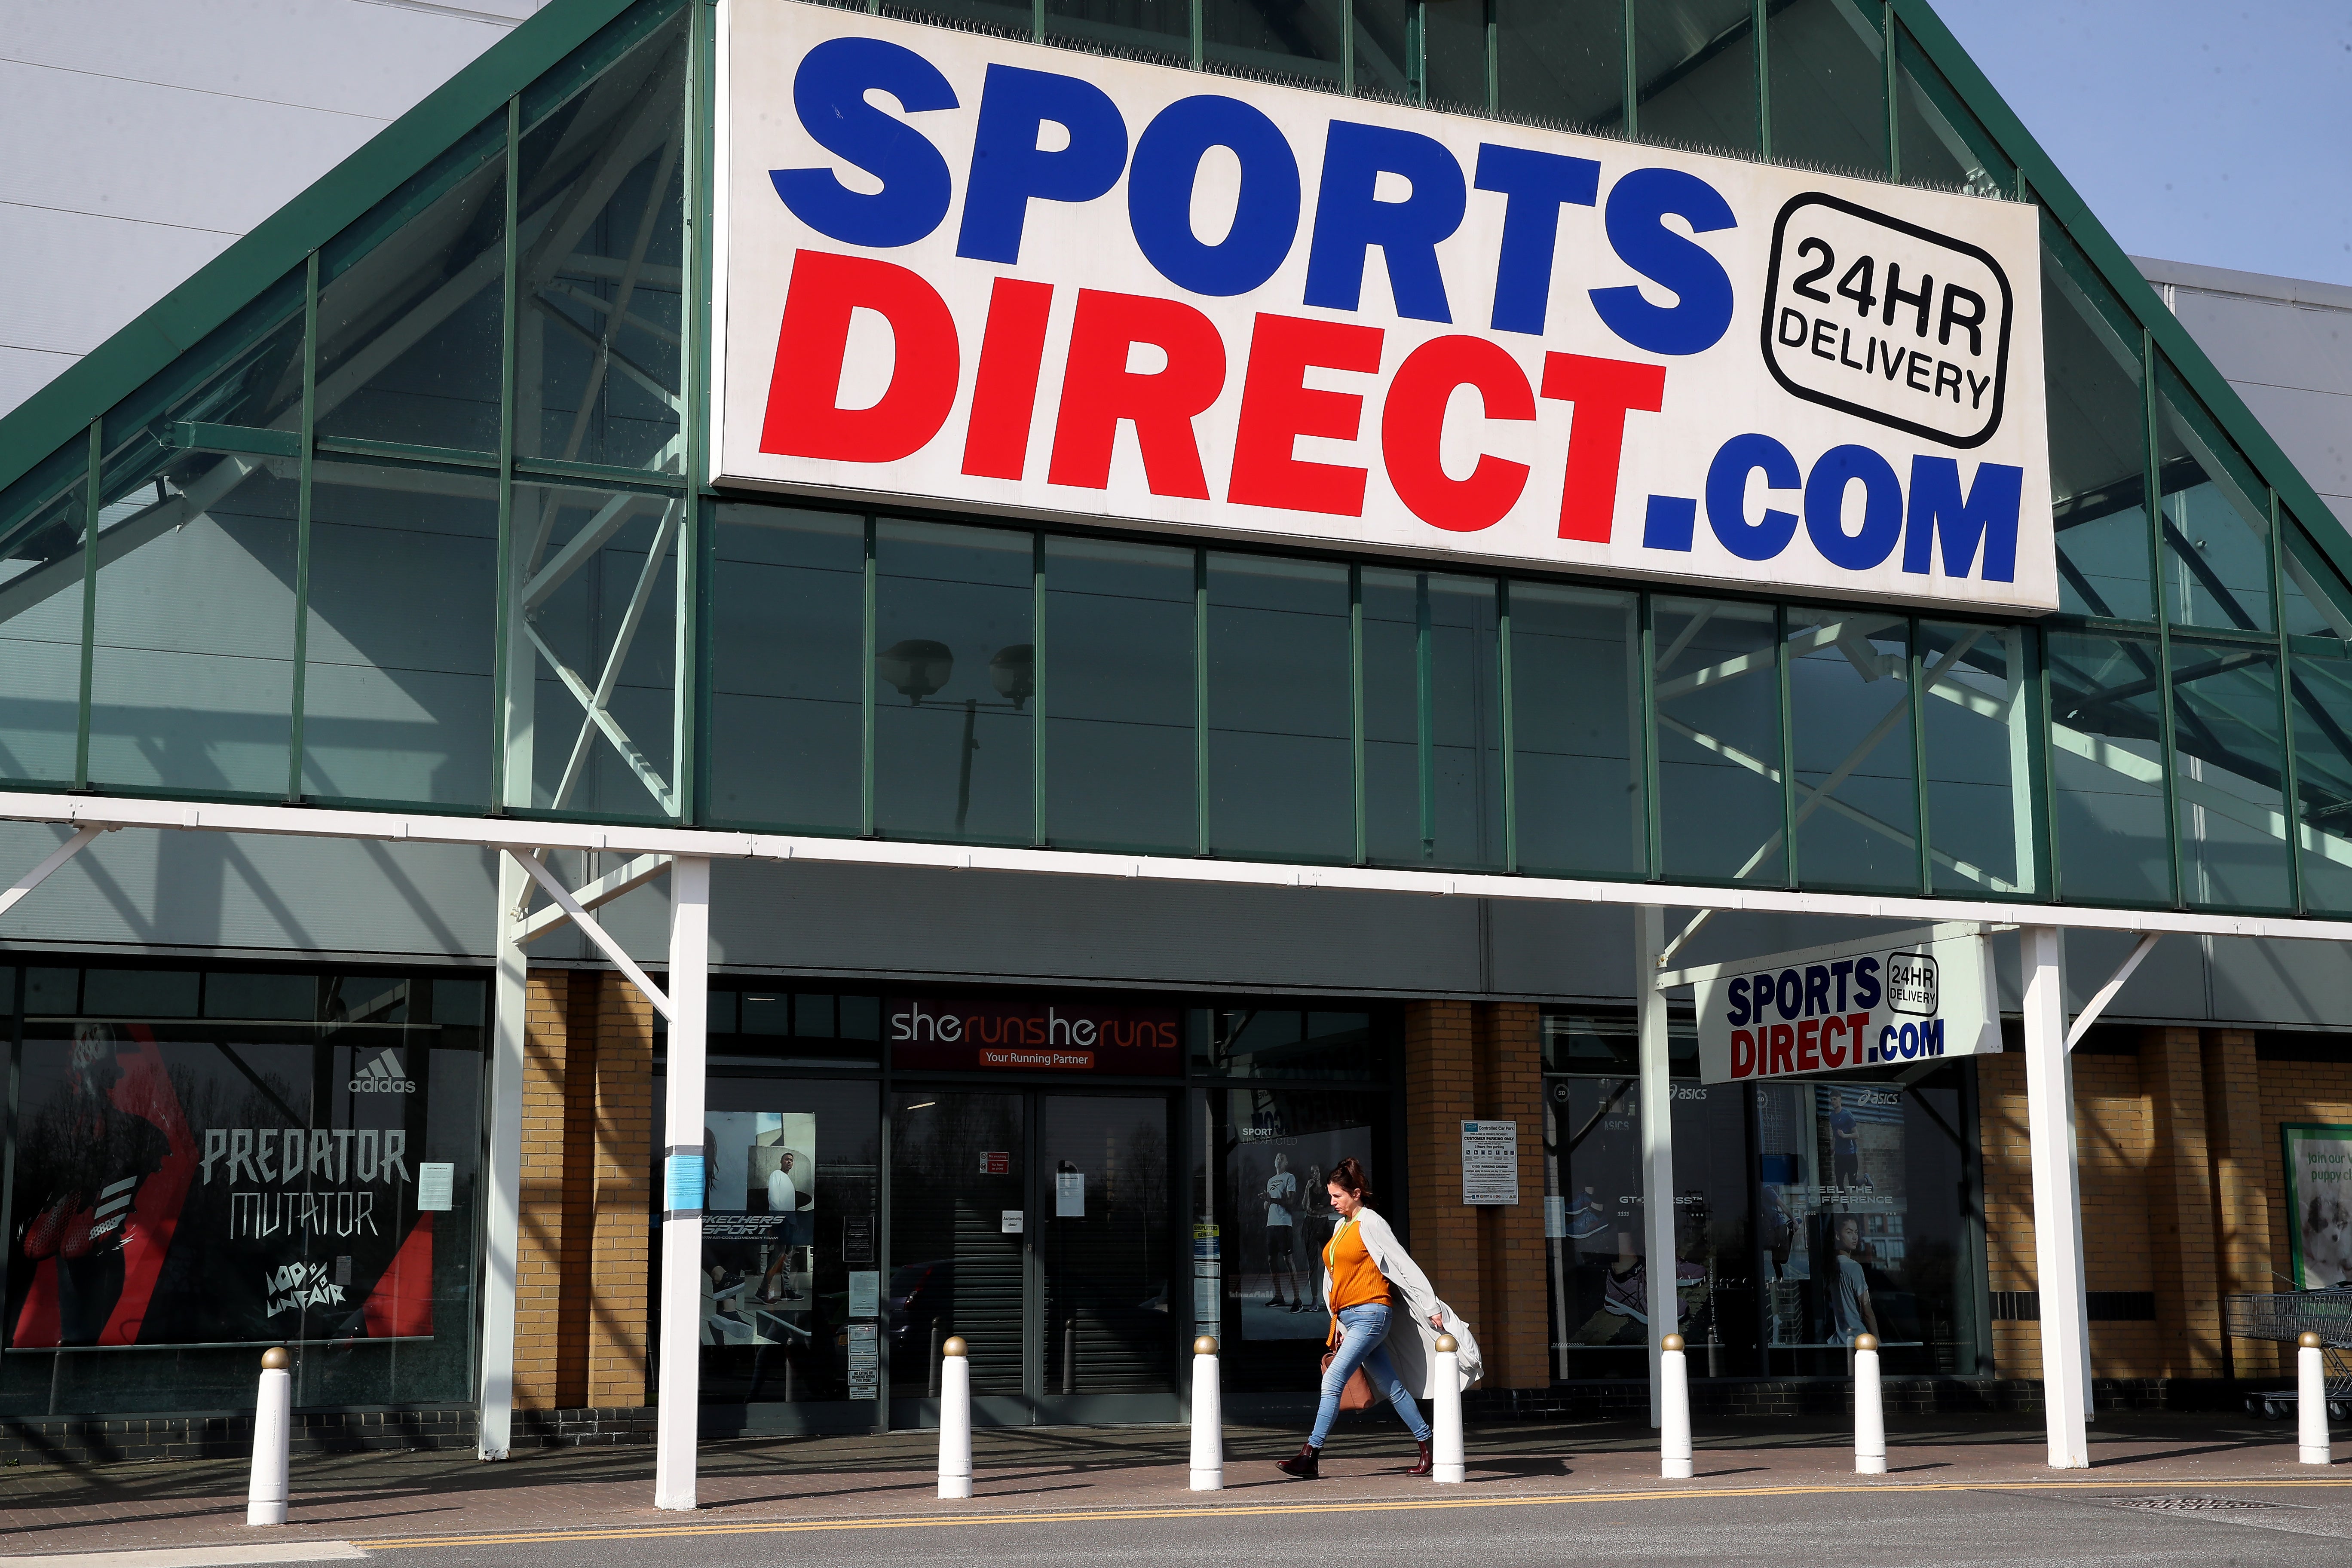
[(581, 1290), (1514, 1334), (540, 1251), (2237, 1134), (619, 1284), (1441, 1089), (2113, 1134), (2183, 1194), (2180, 1198)]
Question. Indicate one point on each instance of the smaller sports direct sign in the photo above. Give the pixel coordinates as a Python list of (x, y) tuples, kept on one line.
[(1884, 1001)]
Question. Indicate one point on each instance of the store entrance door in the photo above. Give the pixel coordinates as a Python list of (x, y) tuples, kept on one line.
[(1040, 1228)]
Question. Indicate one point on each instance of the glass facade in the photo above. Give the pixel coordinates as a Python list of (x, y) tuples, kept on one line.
[(430, 489), (417, 527), (206, 1161), (887, 1169), (1806, 1212)]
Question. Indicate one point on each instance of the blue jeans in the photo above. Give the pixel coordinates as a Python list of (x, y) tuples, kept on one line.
[(1363, 1331)]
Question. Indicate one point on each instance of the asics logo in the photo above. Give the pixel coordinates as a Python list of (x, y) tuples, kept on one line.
[(382, 1076)]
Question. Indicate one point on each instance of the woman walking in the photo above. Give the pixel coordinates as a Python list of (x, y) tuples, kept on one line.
[(1362, 1264)]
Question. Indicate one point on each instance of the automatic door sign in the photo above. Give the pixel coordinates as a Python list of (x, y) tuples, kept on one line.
[(1882, 1002)]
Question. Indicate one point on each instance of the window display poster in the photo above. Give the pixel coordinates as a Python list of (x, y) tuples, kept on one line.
[(1283, 1208), (759, 1227), (2319, 1203), (174, 1193), (1835, 1207)]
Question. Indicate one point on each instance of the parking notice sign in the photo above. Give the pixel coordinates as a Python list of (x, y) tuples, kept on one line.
[(1490, 1162)]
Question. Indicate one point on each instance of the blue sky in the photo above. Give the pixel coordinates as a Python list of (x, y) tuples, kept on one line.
[(2216, 132)]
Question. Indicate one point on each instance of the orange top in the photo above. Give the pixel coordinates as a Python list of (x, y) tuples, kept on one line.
[(1356, 1280)]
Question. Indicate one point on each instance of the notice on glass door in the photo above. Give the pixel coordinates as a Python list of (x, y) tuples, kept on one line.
[(865, 1361), (1069, 1194), (865, 1293), (1490, 1162)]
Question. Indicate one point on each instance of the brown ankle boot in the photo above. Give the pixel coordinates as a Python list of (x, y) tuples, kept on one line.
[(1426, 1464), (1304, 1464)]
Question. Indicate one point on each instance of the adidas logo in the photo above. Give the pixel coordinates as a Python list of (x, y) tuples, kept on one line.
[(382, 1076)]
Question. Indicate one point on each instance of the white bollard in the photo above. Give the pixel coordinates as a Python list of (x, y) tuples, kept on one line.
[(1208, 1419), (1446, 1463), (955, 1419), (265, 1498), (1869, 1409), (1674, 1411), (2311, 1402)]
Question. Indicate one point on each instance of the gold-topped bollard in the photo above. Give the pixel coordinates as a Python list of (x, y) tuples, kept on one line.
[(1869, 1409), (1674, 1411), (1208, 1418), (1446, 1456), (265, 1492), (955, 1419), (2311, 1401)]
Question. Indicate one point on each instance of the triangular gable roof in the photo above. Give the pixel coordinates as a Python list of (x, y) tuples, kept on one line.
[(61, 410)]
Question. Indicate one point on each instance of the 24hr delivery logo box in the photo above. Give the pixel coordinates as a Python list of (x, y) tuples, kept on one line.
[(966, 271)]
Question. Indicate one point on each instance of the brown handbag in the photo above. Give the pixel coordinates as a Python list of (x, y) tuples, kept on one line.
[(1358, 1395)]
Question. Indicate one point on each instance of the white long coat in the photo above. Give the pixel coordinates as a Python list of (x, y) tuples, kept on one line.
[(1411, 1343)]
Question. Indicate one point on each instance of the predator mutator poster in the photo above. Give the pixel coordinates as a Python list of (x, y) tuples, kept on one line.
[(180, 1194)]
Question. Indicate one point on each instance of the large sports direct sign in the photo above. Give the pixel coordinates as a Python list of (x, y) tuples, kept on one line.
[(961, 271)]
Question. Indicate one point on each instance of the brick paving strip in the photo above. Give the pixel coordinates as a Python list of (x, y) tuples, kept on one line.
[(385, 1499)]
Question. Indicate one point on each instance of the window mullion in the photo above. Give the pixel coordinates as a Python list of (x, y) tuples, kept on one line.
[(296, 742)]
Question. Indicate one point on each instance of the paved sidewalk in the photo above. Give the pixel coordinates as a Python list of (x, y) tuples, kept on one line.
[(1056, 1470)]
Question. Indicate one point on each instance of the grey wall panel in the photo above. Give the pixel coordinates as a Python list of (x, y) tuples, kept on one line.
[(2279, 982), (2169, 985), (1557, 951), (2269, 341), (889, 922), (2314, 427), (213, 890)]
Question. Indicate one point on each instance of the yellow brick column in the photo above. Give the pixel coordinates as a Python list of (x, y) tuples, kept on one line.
[(2181, 1212), (2007, 1159), (619, 1282), (2241, 1212), (1440, 1093), (538, 1250), (1515, 1332)]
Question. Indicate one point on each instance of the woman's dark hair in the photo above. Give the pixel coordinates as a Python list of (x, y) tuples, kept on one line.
[(1349, 1177)]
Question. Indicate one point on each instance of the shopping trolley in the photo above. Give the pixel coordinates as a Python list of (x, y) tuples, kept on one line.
[(2286, 1318)]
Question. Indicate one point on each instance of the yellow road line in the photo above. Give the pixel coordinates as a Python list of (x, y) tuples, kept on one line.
[(1398, 1505)]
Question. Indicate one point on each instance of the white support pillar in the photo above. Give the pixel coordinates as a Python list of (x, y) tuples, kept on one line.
[(680, 1354), (1657, 1138), (2057, 1199), (503, 1178)]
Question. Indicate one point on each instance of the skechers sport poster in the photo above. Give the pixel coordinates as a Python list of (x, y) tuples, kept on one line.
[(178, 1193)]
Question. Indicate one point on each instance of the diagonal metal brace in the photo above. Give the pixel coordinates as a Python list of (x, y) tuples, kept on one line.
[(595, 932), (626, 877), (25, 884), (2098, 1004)]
